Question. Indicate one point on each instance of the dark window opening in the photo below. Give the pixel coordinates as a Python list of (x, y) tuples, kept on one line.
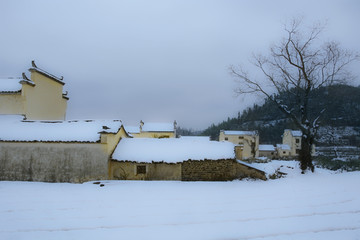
[(140, 169)]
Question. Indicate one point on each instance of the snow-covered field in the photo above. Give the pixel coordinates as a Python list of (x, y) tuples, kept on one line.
[(324, 205)]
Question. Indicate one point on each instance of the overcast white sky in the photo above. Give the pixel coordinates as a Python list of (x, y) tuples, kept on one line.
[(156, 60)]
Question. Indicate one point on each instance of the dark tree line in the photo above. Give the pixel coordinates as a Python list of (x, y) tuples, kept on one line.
[(342, 103)]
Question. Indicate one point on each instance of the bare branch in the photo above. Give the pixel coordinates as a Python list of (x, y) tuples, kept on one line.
[(297, 66)]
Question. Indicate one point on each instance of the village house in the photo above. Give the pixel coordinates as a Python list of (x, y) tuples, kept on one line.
[(185, 159), (292, 138), (37, 144), (283, 150), (39, 98), (153, 130), (57, 151), (246, 142), (266, 150)]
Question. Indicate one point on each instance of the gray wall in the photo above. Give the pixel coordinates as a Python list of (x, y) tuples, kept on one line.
[(52, 162)]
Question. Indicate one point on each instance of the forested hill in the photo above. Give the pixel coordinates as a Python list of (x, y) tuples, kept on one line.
[(341, 104)]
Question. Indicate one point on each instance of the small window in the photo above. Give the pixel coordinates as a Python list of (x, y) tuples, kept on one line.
[(241, 137), (297, 140), (226, 139), (284, 152), (141, 169)]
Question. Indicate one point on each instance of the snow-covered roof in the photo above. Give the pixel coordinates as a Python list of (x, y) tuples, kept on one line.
[(296, 133), (198, 138), (283, 146), (265, 147), (10, 84), (56, 131), (158, 127), (171, 150), (227, 132)]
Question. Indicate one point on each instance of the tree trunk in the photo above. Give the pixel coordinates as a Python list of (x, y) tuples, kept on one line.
[(305, 157)]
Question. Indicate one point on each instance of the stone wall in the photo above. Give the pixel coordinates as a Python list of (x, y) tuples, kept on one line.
[(126, 170), (219, 170), (244, 171), (52, 162), (206, 170)]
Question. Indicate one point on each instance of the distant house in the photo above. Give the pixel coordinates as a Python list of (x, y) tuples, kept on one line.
[(283, 150), (153, 130), (246, 142), (39, 98), (292, 138), (185, 159), (57, 151), (268, 151)]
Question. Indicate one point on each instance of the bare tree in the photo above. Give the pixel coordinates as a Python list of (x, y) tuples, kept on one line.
[(297, 66)]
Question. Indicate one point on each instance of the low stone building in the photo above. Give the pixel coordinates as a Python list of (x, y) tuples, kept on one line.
[(283, 150), (266, 150), (57, 151), (187, 159)]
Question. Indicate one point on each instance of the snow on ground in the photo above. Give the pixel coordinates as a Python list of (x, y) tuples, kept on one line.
[(323, 205)]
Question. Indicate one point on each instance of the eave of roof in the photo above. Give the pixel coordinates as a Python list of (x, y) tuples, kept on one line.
[(46, 74), (10, 92), (31, 83)]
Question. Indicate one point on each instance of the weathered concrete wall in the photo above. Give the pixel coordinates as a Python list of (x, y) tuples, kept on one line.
[(52, 162), (219, 170), (154, 171)]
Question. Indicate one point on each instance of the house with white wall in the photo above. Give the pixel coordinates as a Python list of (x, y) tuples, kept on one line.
[(40, 97), (246, 142), (292, 138)]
